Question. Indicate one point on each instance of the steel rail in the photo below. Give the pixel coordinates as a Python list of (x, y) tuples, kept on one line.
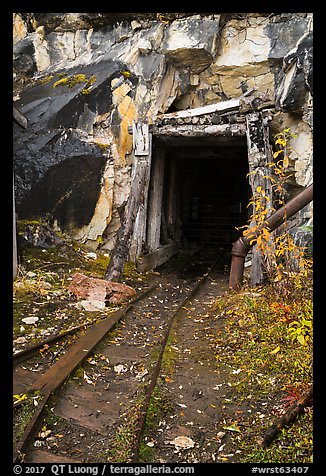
[(25, 354), (158, 365), (57, 374)]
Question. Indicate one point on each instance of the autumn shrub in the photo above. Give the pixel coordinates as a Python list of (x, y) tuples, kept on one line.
[(287, 265)]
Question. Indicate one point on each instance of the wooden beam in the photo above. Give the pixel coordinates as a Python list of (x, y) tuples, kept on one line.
[(223, 106), (156, 258), (194, 130), (121, 250), (139, 235), (155, 201)]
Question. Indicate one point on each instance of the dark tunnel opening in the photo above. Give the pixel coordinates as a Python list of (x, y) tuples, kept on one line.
[(199, 191)]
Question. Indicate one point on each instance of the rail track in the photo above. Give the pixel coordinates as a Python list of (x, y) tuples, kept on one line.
[(119, 361)]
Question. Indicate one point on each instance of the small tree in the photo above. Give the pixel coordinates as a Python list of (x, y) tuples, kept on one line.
[(286, 264)]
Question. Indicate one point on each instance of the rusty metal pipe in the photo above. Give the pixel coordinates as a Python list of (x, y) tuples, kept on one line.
[(242, 246)]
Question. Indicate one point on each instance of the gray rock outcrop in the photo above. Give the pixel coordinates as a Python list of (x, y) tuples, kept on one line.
[(81, 79)]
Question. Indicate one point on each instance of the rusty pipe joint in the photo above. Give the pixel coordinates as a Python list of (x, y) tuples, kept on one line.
[(242, 246), (240, 249)]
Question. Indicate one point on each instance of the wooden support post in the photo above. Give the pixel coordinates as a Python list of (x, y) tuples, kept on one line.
[(259, 155), (137, 196), (171, 205), (139, 235), (155, 201)]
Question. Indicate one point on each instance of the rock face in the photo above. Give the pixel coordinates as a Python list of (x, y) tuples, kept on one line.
[(297, 72), (81, 79), (42, 236), (191, 44)]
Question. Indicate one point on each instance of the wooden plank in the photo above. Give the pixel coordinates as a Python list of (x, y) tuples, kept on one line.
[(171, 203), (195, 130), (223, 106), (139, 234), (155, 201), (155, 259), (140, 137)]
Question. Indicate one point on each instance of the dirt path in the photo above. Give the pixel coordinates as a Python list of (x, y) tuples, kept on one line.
[(219, 388), (94, 416), (186, 422)]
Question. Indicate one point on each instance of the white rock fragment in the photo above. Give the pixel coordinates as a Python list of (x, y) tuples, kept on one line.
[(91, 255), (182, 442), (30, 320), (120, 368), (20, 340), (91, 305)]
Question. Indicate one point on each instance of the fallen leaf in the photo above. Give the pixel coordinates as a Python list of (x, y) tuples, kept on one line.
[(142, 373), (91, 306), (44, 434), (88, 380), (278, 348), (231, 428), (20, 398)]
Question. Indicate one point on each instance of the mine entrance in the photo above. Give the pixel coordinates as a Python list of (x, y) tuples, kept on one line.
[(198, 191)]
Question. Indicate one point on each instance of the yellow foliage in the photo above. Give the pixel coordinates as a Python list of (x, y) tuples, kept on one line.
[(285, 263)]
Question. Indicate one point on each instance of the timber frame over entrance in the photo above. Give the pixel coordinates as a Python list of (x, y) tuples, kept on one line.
[(247, 118)]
